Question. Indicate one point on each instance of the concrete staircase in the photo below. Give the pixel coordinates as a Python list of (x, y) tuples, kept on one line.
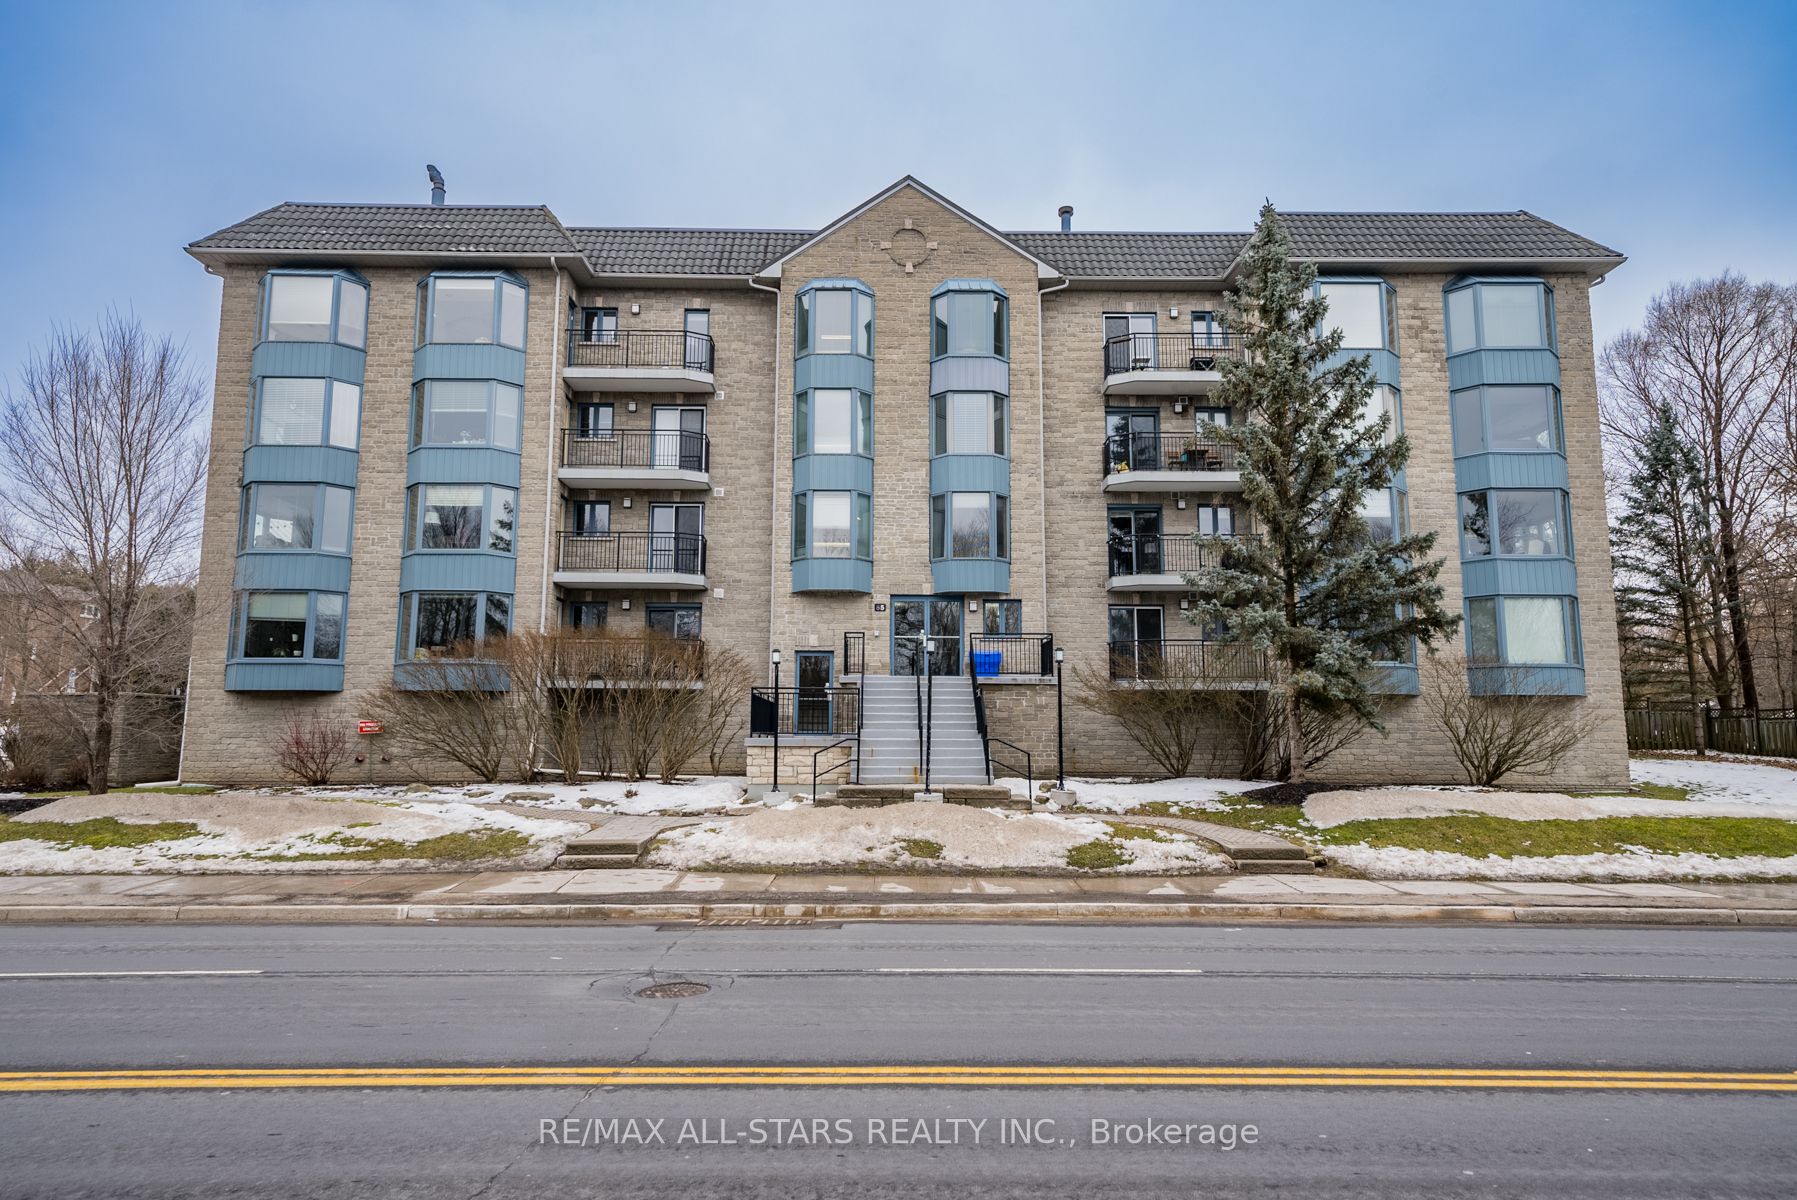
[(889, 733)]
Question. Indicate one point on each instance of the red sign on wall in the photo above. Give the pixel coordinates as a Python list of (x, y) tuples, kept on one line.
[(369, 727)]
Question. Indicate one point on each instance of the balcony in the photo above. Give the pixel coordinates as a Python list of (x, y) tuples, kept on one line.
[(1168, 364), (669, 459), (821, 711), (1189, 660), (631, 560), (639, 360), (1159, 562), (1169, 462)]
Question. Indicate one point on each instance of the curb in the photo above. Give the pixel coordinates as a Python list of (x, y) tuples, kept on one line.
[(848, 910)]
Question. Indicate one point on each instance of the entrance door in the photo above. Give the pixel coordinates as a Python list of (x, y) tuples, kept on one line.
[(1137, 647), (1133, 436), (679, 437), (813, 711), (1134, 354), (936, 617), (698, 341), (1135, 541), (676, 538)]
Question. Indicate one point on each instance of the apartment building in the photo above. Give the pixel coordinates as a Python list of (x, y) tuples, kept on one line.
[(907, 441)]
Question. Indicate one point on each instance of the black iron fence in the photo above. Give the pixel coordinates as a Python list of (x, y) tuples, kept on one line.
[(675, 553), (1125, 452), (990, 654), (1171, 351), (653, 349), (1188, 659), (854, 652), (1727, 730), (1166, 554), (821, 710), (652, 449)]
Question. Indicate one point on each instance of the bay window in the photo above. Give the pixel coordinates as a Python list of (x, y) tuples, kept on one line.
[(970, 525), (832, 524), (833, 320), (969, 322), (307, 412), (466, 412), (471, 310), (969, 423), (1497, 314), (1365, 310), (315, 306), (1507, 418), (296, 516), (1515, 522), (833, 421), (1522, 630), (290, 625), (461, 516), (443, 624)]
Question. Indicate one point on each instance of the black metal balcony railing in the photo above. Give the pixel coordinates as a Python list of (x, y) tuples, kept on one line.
[(1010, 654), (650, 349), (1125, 452), (656, 450), (1171, 351), (1187, 659), (677, 553), (804, 710), (631, 659), (1165, 554)]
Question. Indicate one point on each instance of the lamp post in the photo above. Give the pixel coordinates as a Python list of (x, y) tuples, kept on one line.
[(1060, 725), (776, 658)]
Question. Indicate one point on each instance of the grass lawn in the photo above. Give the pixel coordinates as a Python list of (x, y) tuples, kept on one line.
[(469, 846), (100, 833), (1479, 835)]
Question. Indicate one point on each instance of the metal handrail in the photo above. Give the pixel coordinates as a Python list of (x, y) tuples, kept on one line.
[(675, 553), (1187, 351), (855, 761), (1144, 451), (1187, 659), (653, 449), (651, 349), (979, 714), (1029, 765), (1166, 553)]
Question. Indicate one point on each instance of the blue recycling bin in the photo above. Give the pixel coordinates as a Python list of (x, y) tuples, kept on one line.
[(987, 662)]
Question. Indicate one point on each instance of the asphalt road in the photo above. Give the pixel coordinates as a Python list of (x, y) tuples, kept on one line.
[(828, 1001)]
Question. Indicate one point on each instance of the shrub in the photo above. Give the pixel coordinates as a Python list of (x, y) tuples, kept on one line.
[(311, 749), (1523, 724)]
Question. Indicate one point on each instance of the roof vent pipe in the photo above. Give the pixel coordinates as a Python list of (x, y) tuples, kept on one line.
[(436, 183), (1066, 218)]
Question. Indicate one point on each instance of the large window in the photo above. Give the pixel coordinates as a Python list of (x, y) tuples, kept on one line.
[(1515, 522), (305, 306), (442, 624), (466, 412), (832, 525), (833, 321), (1364, 310), (969, 423), (1001, 617), (461, 516), (1383, 401), (970, 525), (289, 625), (1507, 419), (296, 516), (682, 621), (833, 421), (307, 412), (1522, 630), (968, 323), (1496, 315), (471, 310), (1387, 514)]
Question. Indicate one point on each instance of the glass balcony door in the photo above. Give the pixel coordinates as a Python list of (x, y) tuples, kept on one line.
[(915, 618)]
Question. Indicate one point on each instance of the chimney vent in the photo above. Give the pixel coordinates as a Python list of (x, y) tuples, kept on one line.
[(437, 191), (1066, 218)]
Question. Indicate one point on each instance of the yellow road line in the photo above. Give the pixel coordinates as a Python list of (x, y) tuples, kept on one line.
[(911, 1069)]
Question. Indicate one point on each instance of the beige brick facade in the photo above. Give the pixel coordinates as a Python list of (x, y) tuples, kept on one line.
[(1058, 508)]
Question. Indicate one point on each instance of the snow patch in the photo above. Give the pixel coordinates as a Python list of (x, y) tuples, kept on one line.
[(1385, 862)]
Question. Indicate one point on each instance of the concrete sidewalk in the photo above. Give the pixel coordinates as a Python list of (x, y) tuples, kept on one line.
[(655, 895)]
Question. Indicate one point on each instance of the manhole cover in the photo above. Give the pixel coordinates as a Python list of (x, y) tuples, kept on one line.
[(679, 990)]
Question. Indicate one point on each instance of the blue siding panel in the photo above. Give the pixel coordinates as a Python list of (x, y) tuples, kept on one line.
[(468, 362), (300, 464), (1534, 469), (970, 473), (283, 675), (832, 575), (970, 373), (969, 285), (457, 571), (462, 676), (832, 371), (1385, 365), (979, 576), (1396, 679), (292, 571), (462, 464), (1519, 577), (833, 473), (307, 360), (1526, 681), (1471, 368)]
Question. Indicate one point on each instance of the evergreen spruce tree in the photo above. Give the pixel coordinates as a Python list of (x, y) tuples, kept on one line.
[(1316, 590), (1663, 548)]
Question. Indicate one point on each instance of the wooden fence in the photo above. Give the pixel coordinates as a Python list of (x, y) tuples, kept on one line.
[(1730, 730)]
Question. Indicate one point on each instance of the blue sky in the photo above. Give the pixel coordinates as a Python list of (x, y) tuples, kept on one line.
[(127, 131)]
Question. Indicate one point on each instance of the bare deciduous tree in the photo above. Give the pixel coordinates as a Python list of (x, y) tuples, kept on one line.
[(1168, 718), (1522, 725), (448, 712), (103, 458)]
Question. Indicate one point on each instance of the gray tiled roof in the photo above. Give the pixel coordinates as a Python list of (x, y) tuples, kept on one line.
[(497, 230), (684, 251), (397, 228)]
